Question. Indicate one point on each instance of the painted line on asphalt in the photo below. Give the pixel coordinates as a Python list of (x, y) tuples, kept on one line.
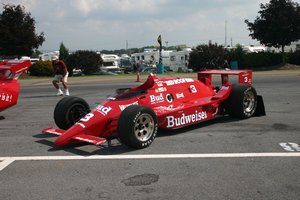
[(6, 161)]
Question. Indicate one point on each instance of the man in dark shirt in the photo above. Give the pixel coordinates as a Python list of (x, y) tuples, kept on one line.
[(61, 75)]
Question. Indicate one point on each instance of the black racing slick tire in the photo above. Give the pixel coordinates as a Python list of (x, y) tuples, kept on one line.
[(70, 110), (137, 126), (242, 101)]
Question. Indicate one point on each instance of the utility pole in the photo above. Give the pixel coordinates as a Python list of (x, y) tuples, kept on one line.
[(225, 33)]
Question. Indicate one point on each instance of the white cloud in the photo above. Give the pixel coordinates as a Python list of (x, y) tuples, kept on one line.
[(107, 24)]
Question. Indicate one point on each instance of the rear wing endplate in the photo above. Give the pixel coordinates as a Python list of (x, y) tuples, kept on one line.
[(12, 69), (244, 76)]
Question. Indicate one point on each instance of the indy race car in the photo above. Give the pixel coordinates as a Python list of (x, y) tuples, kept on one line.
[(133, 115), (10, 70)]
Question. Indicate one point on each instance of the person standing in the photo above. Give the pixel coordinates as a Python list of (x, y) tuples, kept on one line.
[(61, 75)]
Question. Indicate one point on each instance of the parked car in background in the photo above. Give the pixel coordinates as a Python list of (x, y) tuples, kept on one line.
[(126, 65), (77, 72)]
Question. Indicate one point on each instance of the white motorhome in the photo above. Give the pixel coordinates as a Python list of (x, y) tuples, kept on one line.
[(180, 59), (254, 49), (110, 62), (152, 57), (48, 56)]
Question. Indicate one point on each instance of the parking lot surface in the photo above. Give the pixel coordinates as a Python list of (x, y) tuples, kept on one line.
[(256, 158)]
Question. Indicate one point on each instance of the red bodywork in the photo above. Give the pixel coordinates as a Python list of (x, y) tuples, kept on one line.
[(177, 102), (10, 70)]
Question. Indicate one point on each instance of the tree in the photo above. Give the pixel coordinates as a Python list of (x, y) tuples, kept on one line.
[(87, 61), (63, 52), (278, 24), (207, 56), (17, 32), (238, 54)]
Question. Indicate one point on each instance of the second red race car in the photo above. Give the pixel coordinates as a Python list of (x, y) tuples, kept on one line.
[(10, 70), (134, 114)]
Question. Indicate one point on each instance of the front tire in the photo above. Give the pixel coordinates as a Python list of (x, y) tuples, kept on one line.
[(137, 126), (242, 101), (70, 110)]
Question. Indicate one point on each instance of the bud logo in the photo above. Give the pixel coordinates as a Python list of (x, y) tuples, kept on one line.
[(185, 119), (157, 99), (103, 110)]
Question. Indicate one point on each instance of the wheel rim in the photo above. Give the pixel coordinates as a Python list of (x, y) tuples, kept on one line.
[(249, 101), (144, 127), (76, 112)]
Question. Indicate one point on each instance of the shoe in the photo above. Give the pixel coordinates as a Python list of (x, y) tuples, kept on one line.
[(67, 93), (59, 93)]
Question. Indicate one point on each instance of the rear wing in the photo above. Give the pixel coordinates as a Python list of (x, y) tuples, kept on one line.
[(244, 76), (12, 69)]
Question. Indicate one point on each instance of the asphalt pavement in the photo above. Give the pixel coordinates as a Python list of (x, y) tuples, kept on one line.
[(256, 158)]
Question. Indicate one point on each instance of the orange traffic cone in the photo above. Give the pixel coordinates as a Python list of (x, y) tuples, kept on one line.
[(138, 77)]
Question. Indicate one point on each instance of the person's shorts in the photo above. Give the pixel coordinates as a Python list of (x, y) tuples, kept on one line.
[(59, 77)]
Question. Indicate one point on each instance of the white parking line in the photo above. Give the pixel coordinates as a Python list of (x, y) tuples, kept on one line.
[(5, 161)]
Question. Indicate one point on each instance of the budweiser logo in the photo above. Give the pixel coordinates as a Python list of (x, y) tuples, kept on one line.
[(185, 119)]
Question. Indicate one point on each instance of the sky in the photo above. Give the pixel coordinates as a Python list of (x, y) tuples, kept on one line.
[(121, 24)]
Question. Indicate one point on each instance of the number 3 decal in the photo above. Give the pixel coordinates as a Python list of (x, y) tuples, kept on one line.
[(193, 89), (87, 117)]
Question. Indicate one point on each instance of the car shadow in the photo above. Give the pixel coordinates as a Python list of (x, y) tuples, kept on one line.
[(114, 147)]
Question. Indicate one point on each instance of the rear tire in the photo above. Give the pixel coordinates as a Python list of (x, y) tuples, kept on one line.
[(137, 126), (70, 110), (242, 101)]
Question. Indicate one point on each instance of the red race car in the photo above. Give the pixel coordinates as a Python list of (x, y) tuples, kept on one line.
[(134, 114), (10, 70)]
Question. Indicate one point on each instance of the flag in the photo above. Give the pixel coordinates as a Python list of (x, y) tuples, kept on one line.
[(159, 40)]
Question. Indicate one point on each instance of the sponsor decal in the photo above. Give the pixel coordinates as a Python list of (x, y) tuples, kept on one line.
[(179, 81), (224, 87), (161, 89), (122, 107), (159, 83), (103, 109), (5, 97), (185, 119), (157, 98), (179, 95), (170, 108)]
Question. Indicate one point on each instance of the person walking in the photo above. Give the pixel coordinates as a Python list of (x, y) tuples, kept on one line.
[(61, 75)]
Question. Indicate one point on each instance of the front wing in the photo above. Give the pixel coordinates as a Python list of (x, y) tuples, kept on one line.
[(79, 137)]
